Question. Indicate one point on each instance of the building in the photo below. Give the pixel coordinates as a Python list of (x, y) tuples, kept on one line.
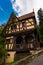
[(21, 33)]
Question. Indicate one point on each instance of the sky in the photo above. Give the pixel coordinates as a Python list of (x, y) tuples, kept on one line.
[(19, 7)]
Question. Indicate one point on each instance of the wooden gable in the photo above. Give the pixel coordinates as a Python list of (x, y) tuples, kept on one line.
[(11, 22), (12, 19), (23, 23)]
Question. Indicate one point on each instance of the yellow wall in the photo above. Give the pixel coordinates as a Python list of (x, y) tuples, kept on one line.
[(11, 57)]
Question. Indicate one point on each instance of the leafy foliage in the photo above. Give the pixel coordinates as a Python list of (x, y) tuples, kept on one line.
[(2, 47), (40, 16)]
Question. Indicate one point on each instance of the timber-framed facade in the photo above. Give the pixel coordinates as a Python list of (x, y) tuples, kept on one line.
[(21, 33)]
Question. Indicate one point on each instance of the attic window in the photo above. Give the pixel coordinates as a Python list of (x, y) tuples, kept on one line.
[(12, 27), (23, 23), (7, 41)]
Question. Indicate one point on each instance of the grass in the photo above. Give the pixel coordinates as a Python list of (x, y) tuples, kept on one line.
[(8, 63), (11, 62)]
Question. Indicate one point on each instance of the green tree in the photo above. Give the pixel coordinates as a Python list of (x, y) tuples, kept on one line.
[(2, 49), (40, 16)]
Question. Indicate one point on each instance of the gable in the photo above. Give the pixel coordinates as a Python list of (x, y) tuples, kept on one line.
[(17, 25), (12, 20)]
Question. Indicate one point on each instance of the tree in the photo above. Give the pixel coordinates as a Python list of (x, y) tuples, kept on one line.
[(40, 16), (2, 48)]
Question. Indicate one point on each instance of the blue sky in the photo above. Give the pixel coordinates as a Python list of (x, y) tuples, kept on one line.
[(5, 10), (19, 7)]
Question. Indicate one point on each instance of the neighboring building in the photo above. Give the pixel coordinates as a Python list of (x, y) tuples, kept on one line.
[(21, 33)]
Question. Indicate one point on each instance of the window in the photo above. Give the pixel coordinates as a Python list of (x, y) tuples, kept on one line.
[(7, 41), (23, 23)]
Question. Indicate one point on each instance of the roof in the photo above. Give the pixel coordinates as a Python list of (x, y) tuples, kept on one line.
[(29, 15), (32, 14)]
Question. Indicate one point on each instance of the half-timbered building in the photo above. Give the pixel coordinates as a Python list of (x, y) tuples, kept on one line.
[(21, 33)]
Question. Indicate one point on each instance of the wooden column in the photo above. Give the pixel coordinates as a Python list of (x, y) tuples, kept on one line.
[(15, 43), (24, 43)]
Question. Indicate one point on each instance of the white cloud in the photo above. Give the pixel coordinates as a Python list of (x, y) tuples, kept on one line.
[(37, 4), (1, 8), (22, 6), (25, 6), (12, 1)]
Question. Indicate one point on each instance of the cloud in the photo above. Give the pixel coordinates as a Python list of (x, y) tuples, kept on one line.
[(37, 4), (12, 1), (22, 6), (1, 8), (26, 6)]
